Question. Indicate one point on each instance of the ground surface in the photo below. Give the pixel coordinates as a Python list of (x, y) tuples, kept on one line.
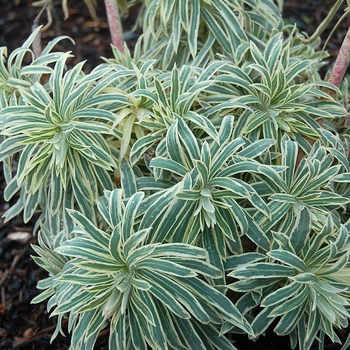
[(26, 326)]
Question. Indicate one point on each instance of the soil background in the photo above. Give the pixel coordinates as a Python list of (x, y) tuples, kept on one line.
[(27, 326)]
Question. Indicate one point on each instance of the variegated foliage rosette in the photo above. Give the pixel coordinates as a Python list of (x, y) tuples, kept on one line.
[(16, 76), (175, 206), (55, 138), (303, 282), (148, 294)]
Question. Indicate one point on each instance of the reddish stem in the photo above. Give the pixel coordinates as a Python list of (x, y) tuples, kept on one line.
[(340, 65), (337, 74), (115, 25)]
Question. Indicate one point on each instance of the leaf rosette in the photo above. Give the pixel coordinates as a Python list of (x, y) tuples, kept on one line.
[(150, 294), (56, 140), (303, 283)]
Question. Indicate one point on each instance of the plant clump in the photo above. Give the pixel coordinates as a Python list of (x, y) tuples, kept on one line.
[(192, 190)]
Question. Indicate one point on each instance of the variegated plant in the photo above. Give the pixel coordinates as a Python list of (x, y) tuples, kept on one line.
[(175, 31), (15, 74), (303, 281), (54, 136), (267, 97), (193, 189), (147, 293)]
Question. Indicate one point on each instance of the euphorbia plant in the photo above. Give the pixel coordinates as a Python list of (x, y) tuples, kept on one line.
[(175, 209)]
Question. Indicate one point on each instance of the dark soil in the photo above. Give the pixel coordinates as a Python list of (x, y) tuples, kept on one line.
[(27, 326)]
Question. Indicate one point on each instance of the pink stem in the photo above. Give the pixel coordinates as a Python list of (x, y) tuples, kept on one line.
[(337, 74), (341, 64), (115, 25)]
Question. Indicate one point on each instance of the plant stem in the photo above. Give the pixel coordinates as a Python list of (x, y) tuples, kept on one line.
[(340, 65), (337, 74), (37, 41), (115, 25), (325, 23)]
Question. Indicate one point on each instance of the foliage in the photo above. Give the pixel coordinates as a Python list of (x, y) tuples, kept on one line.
[(15, 75), (304, 283), (57, 132), (151, 293), (49, 4), (188, 191), (216, 26)]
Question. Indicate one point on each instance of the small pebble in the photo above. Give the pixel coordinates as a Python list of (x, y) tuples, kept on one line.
[(20, 237)]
